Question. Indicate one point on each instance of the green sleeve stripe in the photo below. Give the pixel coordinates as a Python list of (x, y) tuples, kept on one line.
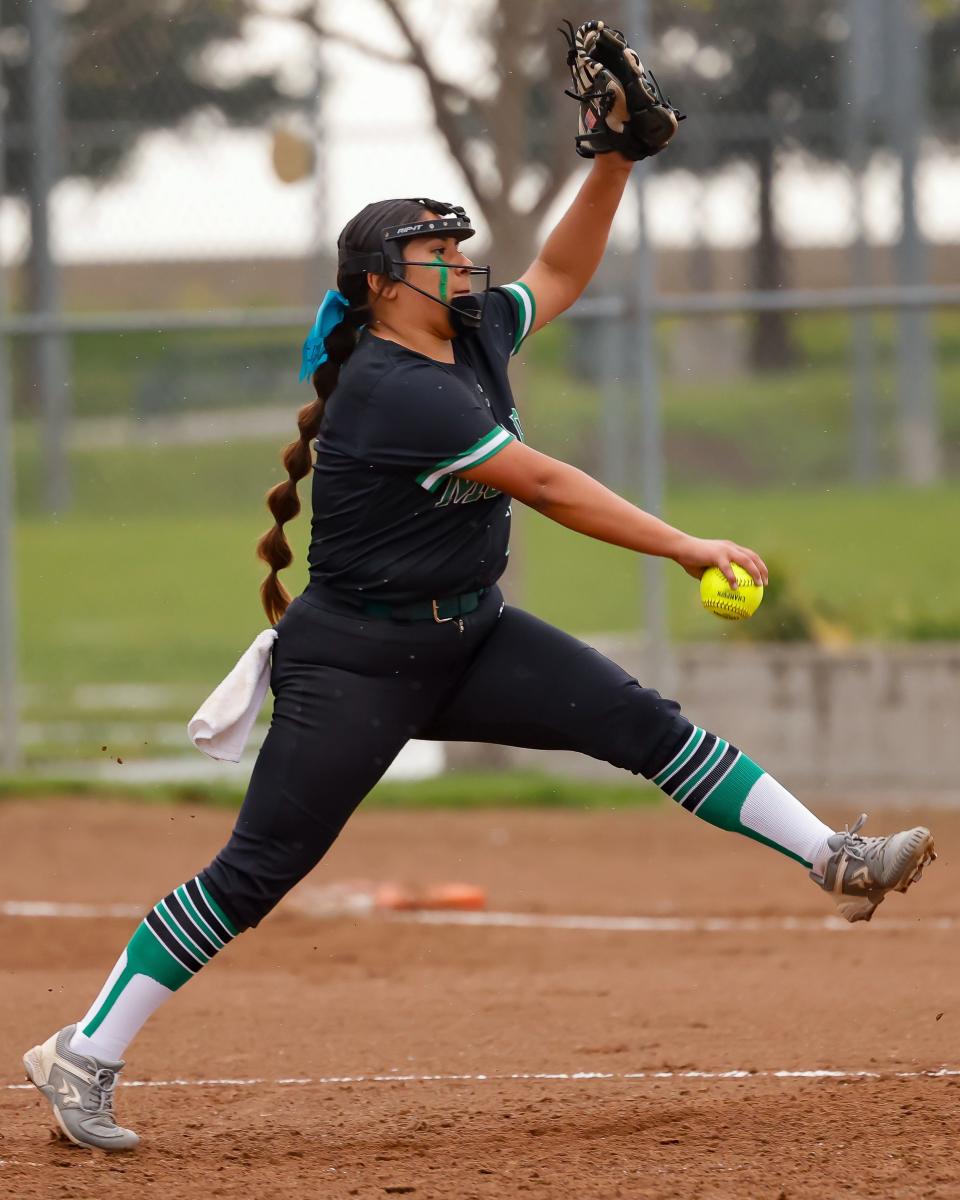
[(445, 462), (532, 301), (526, 310), (478, 453)]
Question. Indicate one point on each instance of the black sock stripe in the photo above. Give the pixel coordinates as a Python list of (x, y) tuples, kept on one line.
[(693, 763), (189, 925), (195, 892), (711, 779), (175, 948)]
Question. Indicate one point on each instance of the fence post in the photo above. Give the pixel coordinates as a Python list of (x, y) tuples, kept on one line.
[(643, 284), (919, 425), (862, 83), (321, 254), (49, 357), (9, 715), (614, 447)]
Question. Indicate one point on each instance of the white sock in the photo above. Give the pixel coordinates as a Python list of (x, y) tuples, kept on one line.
[(138, 1000), (777, 815), (712, 778)]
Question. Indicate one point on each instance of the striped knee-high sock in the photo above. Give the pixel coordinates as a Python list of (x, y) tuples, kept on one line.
[(176, 938), (719, 783)]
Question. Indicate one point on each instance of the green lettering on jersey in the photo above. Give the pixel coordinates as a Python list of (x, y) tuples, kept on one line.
[(465, 491), (515, 418)]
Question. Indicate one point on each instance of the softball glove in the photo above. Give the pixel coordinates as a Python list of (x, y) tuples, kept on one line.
[(621, 105)]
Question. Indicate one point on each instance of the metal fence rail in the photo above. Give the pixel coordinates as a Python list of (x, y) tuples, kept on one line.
[(789, 300)]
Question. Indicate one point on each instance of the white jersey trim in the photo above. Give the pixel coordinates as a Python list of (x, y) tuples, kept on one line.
[(495, 440)]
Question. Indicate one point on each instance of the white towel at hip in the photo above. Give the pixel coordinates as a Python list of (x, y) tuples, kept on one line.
[(221, 725)]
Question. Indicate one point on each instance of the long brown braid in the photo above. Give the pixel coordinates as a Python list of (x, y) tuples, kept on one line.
[(361, 234), (282, 499)]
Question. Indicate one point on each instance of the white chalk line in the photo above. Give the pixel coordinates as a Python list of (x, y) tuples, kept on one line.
[(513, 1077), (527, 1077), (512, 920), (55, 909), (650, 924)]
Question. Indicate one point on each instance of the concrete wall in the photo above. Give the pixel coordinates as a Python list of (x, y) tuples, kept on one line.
[(864, 719)]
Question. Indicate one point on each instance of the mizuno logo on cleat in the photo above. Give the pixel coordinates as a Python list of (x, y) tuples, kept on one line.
[(69, 1092), (858, 879)]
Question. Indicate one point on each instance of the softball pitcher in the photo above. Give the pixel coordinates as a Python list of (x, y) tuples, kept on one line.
[(402, 631)]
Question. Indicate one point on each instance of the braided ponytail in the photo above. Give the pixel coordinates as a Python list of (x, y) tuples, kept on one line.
[(361, 235), (282, 499)]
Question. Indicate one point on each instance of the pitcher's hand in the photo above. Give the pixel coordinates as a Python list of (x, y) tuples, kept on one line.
[(697, 554)]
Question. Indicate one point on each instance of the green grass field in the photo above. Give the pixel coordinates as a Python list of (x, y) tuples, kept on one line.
[(151, 577), (116, 593), (159, 585), (459, 790)]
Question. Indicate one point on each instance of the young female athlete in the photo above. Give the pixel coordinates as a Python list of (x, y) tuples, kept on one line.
[(402, 631)]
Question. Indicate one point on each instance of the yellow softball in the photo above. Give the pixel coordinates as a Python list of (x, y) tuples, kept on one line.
[(732, 604)]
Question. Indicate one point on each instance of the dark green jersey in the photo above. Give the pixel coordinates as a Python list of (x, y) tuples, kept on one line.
[(392, 521)]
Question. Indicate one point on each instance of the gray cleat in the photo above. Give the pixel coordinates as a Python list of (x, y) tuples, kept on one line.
[(80, 1092), (861, 870)]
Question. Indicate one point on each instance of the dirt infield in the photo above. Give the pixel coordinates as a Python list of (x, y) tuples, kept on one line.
[(336, 1003)]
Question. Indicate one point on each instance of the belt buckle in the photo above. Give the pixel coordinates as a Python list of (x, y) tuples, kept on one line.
[(436, 614)]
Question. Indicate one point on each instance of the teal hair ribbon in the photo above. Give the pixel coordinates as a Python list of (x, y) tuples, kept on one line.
[(332, 310)]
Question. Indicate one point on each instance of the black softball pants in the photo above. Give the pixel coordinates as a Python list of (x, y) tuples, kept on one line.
[(350, 691)]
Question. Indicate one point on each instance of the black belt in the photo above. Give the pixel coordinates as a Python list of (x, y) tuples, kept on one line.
[(447, 608)]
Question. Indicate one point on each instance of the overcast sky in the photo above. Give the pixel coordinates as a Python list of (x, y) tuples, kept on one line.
[(212, 193)]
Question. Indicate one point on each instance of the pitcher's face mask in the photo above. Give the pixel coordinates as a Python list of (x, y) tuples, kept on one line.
[(466, 311)]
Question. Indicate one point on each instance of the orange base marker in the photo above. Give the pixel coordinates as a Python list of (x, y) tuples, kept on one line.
[(465, 897)]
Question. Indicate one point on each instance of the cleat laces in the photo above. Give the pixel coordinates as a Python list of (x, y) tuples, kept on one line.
[(101, 1093), (855, 844)]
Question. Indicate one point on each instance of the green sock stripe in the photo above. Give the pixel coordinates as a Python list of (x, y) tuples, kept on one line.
[(705, 768), (723, 806), (765, 841), (146, 955), (111, 998), (225, 920), (681, 757), (181, 895), (188, 944), (694, 800)]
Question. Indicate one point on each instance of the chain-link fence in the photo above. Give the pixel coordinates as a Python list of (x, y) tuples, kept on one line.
[(777, 315), (171, 134)]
